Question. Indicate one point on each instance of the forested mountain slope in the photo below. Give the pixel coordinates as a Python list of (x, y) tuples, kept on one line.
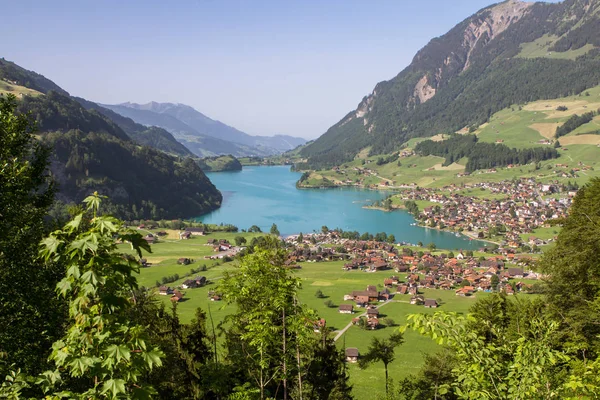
[(93, 153), (508, 53)]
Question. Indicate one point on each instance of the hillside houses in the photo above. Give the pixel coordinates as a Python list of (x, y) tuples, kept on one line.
[(519, 208)]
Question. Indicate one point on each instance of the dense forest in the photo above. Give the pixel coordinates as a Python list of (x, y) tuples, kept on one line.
[(482, 155), (220, 164), (470, 83)]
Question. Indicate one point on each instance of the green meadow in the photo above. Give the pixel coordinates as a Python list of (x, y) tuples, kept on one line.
[(330, 279)]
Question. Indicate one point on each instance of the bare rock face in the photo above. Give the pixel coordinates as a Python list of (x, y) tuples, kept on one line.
[(423, 91), (482, 29), (497, 21), (365, 105)]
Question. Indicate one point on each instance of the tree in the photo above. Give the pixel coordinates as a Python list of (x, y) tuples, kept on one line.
[(269, 329), (319, 294), (382, 350), (254, 229), (388, 204), (240, 240), (517, 366), (300, 238), (324, 229), (431, 246), (391, 238), (326, 375), (274, 230), (101, 348), (434, 378), (31, 316), (495, 281), (573, 286)]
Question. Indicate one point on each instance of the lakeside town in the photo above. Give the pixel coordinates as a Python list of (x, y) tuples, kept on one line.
[(503, 212)]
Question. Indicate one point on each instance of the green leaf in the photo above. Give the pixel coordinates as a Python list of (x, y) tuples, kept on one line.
[(114, 386), (118, 353), (152, 358), (74, 224), (80, 365), (50, 246), (63, 286), (90, 277), (106, 225), (73, 271)]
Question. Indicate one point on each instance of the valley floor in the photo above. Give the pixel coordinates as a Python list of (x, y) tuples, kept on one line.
[(328, 277)]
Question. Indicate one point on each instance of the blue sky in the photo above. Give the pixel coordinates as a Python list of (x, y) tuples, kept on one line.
[(265, 67)]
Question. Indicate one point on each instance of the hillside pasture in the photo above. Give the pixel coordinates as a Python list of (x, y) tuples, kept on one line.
[(540, 48), (546, 129), (580, 139), (575, 106), (17, 90)]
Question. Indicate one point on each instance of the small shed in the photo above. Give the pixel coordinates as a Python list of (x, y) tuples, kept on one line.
[(352, 354)]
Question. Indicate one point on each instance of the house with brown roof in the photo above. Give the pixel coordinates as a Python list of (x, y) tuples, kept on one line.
[(372, 313), (352, 354), (346, 309), (177, 296), (431, 303)]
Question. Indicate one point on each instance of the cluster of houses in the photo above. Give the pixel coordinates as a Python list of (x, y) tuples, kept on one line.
[(464, 275), (192, 283), (222, 248), (522, 209)]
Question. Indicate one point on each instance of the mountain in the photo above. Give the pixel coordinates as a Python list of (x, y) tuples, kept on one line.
[(152, 136), (93, 153), (185, 122), (508, 53), (200, 144)]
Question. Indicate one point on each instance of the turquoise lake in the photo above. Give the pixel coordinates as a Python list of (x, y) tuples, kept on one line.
[(266, 195)]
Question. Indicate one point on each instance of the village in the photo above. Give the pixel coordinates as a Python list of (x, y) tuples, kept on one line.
[(462, 272), (519, 209)]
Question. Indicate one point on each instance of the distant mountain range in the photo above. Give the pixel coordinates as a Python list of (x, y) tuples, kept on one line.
[(201, 134), (508, 53)]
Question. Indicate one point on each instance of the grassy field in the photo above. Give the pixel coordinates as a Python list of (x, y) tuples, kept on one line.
[(539, 48), (327, 277), (543, 233), (19, 91)]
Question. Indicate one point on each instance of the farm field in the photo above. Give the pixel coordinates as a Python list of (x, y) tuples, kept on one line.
[(331, 280)]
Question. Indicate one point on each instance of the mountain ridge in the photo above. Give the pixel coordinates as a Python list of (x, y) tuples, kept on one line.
[(197, 122), (462, 77)]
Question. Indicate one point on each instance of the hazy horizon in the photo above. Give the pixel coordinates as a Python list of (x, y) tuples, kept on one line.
[(263, 67)]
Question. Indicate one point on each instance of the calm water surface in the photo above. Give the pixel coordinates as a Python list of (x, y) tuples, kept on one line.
[(266, 195)]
